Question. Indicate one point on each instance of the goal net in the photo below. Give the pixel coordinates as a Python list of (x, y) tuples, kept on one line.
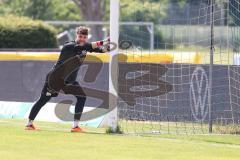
[(178, 87)]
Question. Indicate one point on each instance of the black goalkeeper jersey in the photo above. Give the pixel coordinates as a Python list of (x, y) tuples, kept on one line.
[(71, 49)]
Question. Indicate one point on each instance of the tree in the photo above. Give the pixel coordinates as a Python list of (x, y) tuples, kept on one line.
[(93, 10), (41, 9), (143, 10)]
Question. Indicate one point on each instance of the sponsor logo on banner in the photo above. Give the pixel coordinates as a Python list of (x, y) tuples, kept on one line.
[(199, 94)]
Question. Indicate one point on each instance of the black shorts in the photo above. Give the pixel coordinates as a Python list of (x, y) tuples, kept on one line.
[(47, 91)]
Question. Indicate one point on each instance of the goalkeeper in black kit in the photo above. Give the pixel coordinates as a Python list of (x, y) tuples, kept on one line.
[(70, 49)]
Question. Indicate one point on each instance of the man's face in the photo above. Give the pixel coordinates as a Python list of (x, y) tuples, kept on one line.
[(82, 39)]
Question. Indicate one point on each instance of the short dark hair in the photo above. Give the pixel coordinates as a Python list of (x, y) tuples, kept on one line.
[(82, 30)]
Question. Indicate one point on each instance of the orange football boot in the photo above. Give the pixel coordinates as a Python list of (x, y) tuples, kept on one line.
[(31, 127), (77, 129)]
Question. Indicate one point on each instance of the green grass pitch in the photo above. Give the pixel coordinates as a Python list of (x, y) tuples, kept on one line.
[(55, 142)]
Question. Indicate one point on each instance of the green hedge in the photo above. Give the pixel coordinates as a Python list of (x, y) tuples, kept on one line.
[(22, 32)]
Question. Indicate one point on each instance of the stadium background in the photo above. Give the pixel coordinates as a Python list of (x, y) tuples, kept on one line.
[(181, 45)]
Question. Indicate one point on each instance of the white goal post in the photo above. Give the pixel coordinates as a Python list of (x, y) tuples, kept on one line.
[(111, 118)]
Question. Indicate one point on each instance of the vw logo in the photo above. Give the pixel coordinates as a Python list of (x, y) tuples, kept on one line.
[(199, 94)]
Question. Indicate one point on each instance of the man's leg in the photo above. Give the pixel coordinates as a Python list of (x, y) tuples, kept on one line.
[(37, 106), (75, 89), (35, 110), (81, 99), (79, 109), (78, 112), (44, 98)]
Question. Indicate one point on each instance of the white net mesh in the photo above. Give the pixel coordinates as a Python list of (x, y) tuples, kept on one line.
[(168, 90)]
